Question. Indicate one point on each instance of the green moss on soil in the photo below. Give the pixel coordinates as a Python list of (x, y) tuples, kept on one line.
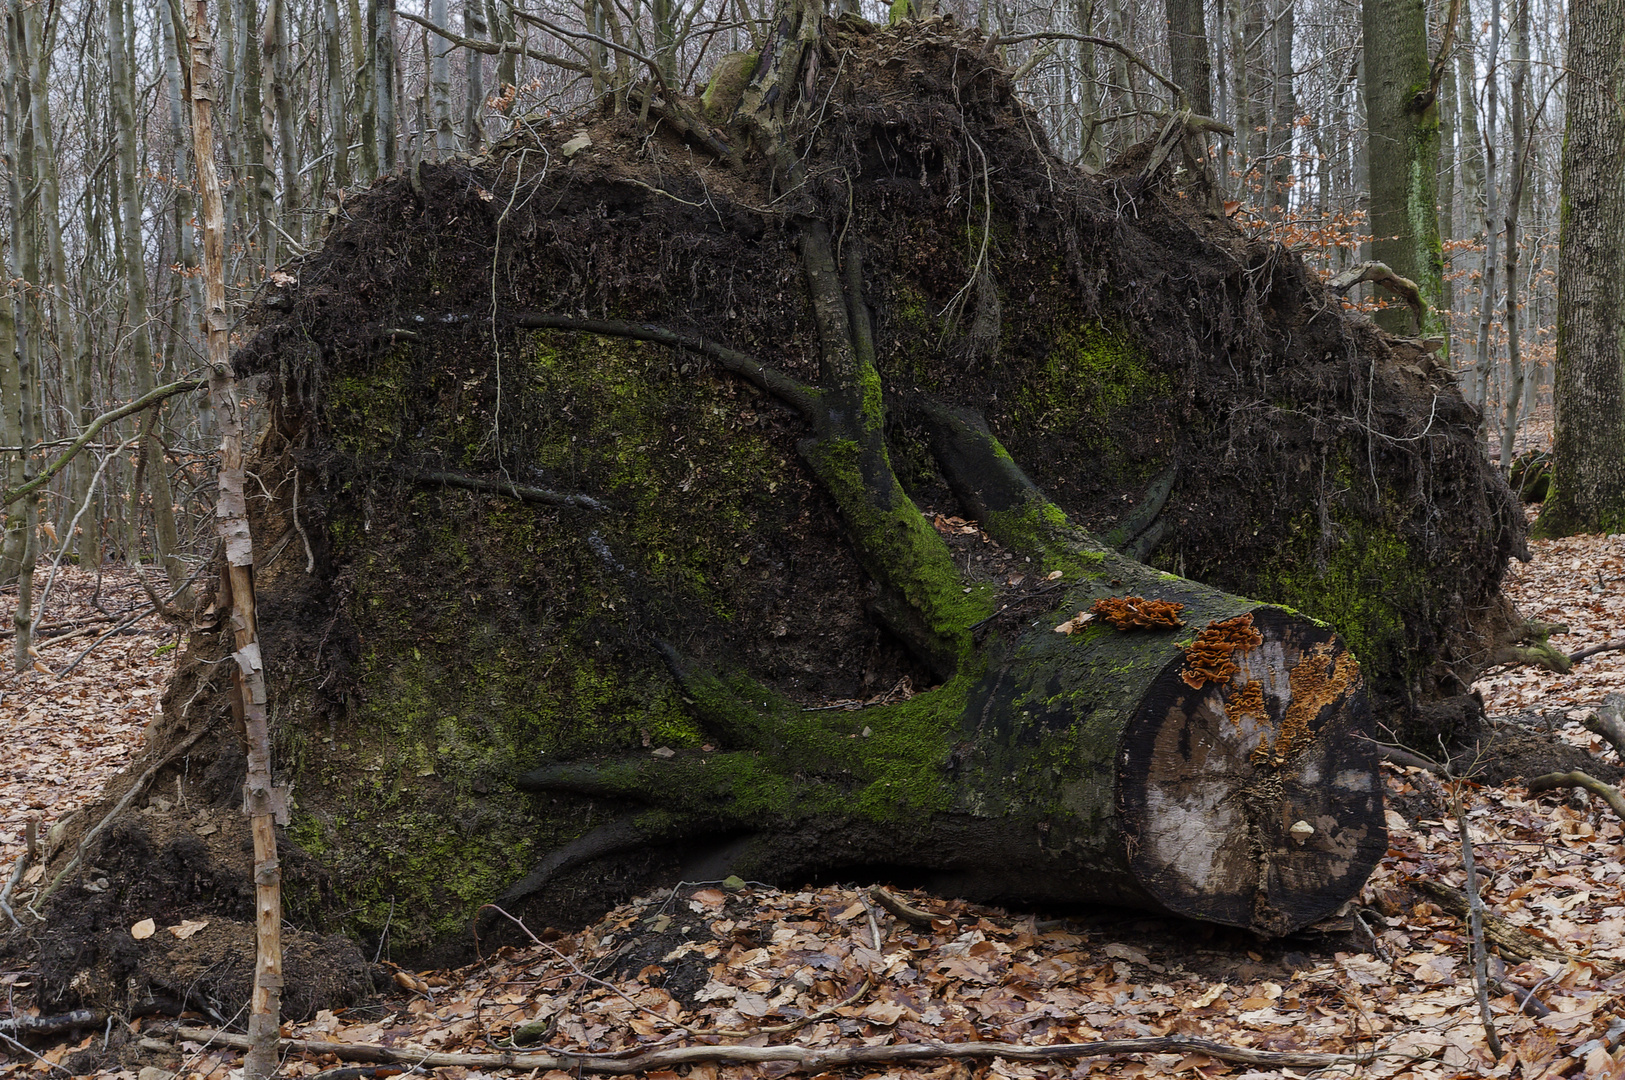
[(1368, 582)]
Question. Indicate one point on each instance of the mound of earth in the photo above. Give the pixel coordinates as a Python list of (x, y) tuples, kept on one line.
[(507, 520)]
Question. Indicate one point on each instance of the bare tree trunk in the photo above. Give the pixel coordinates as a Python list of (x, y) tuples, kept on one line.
[(13, 328), (381, 21), (1190, 65), (1449, 131), (474, 101), (263, 803), (277, 121), (338, 125), (1515, 372), (1492, 231), (1283, 124), (1588, 475), (24, 267), (1403, 147), (445, 137), (134, 279)]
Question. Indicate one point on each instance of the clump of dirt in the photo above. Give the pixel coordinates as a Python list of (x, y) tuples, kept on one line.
[(1512, 751), (188, 870)]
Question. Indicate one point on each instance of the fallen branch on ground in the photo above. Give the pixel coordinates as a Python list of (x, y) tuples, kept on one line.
[(1592, 650), (70, 624), (25, 1026), (129, 796), (806, 1057), (1555, 780), (1510, 941), (1609, 721), (912, 915)]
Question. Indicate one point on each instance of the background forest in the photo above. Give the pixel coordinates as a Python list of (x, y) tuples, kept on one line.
[(320, 97)]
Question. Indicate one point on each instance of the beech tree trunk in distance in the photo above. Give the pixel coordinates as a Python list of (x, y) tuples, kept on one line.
[(736, 538), (1588, 444), (1402, 163)]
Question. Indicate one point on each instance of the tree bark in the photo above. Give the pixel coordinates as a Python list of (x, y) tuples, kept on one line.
[(1513, 401), (1588, 444), (264, 804), (1191, 66), (134, 278), (1403, 123)]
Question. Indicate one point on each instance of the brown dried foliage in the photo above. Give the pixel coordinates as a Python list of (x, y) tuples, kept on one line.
[(1129, 612), (1208, 660)]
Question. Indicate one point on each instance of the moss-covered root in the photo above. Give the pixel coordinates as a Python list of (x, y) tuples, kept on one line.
[(993, 488), (923, 597)]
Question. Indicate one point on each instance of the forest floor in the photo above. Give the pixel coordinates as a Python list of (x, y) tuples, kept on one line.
[(732, 965)]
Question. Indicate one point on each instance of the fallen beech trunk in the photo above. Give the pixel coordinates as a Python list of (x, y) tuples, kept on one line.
[(1218, 774), (1141, 739), (804, 1057)]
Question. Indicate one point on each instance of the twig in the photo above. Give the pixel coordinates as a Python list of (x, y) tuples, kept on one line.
[(53, 1025), (1528, 1003), (806, 1057), (118, 808), (1371, 935), (1475, 924), (14, 1044), (524, 492), (1592, 650), (145, 401)]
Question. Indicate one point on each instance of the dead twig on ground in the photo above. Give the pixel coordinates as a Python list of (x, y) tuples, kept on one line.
[(803, 1057), (1475, 923), (129, 796)]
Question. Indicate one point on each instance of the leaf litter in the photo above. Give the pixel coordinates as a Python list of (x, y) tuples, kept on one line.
[(744, 964)]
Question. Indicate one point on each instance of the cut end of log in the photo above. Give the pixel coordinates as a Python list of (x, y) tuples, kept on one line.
[(1219, 768)]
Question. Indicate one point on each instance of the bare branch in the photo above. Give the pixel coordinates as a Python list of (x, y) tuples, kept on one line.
[(494, 48), (806, 1057), (145, 401)]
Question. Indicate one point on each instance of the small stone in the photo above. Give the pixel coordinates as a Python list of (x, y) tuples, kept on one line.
[(152, 1072), (581, 141), (664, 752)]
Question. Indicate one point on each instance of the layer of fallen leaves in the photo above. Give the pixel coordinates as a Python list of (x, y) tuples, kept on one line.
[(1579, 582), (66, 735), (748, 965)]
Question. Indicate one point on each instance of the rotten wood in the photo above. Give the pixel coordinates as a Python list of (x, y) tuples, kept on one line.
[(1509, 940)]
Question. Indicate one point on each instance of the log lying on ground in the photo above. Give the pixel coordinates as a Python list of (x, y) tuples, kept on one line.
[(1216, 769)]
